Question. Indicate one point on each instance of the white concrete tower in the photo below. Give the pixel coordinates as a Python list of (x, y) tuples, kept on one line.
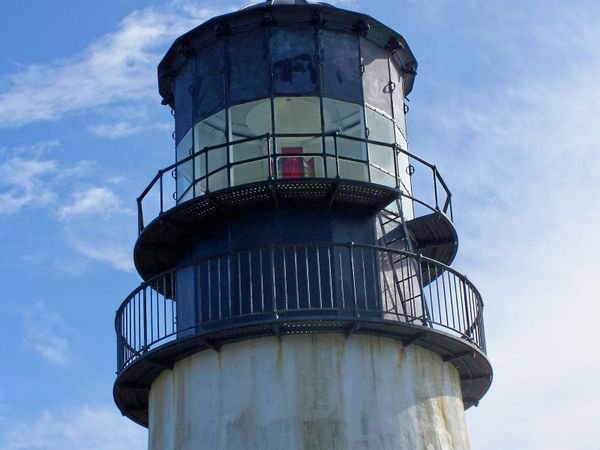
[(297, 292)]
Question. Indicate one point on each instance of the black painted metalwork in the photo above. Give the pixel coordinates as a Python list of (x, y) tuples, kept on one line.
[(321, 281), (298, 289), (246, 236), (156, 192)]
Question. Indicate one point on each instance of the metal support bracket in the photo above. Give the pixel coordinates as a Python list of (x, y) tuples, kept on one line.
[(456, 356), (353, 329), (160, 364), (415, 338)]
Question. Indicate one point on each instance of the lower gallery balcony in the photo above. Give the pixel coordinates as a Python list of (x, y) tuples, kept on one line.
[(291, 289)]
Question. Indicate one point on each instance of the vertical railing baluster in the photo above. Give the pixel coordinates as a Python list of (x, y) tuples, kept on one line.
[(337, 156), (251, 288), (435, 188), (262, 280), (229, 286), (296, 276), (319, 281), (140, 216), (421, 290), (332, 292), (209, 289), (364, 278), (285, 279), (468, 320), (270, 161), (273, 280), (306, 261), (220, 286), (352, 277), (239, 271), (194, 181), (341, 269)]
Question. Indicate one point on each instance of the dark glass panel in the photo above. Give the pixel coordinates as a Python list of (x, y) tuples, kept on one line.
[(209, 93), (249, 59), (341, 66), (183, 102), (294, 61), (376, 78)]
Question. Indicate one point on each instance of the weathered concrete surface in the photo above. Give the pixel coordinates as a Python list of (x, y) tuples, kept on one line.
[(309, 392)]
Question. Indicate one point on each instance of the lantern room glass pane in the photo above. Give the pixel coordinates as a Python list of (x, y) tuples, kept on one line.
[(210, 132), (209, 81), (294, 62), (184, 174), (340, 62), (249, 77), (183, 101), (403, 164), (349, 170), (381, 158), (398, 97), (347, 119), (250, 120), (295, 115), (376, 78)]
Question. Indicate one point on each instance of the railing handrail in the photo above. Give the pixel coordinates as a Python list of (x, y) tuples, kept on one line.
[(464, 299), (439, 264), (437, 178)]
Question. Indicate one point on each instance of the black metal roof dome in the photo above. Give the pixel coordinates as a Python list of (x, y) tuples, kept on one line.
[(284, 2)]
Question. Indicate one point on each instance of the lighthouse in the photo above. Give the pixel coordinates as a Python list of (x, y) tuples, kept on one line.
[(296, 257)]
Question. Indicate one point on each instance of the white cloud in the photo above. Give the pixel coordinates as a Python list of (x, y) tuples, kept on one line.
[(89, 427), (93, 218), (523, 158), (44, 333), (115, 130), (93, 201), (117, 69), (29, 178), (24, 182), (99, 227)]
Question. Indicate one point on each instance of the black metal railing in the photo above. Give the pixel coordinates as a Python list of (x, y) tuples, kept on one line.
[(305, 282), (161, 193)]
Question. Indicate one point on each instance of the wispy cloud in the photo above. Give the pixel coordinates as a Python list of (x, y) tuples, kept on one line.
[(30, 177), (522, 158), (88, 427), (117, 69), (99, 227), (91, 214), (115, 130), (23, 183), (92, 201), (44, 333)]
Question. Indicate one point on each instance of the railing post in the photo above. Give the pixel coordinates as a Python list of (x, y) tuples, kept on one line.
[(337, 156), (421, 289), (273, 280), (194, 181), (435, 190), (395, 148), (351, 247), (206, 171), (119, 330), (140, 216), (144, 349), (469, 328), (160, 181), (270, 161)]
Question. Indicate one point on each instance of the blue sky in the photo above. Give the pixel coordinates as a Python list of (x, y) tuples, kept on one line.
[(506, 102)]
